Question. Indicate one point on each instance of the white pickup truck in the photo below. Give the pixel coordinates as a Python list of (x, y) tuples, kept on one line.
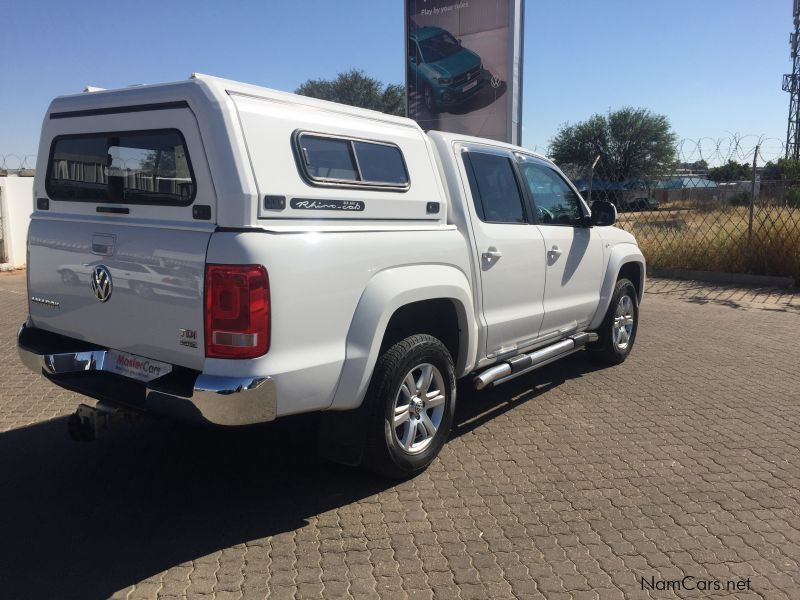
[(224, 252)]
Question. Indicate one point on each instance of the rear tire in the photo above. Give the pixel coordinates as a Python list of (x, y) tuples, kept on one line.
[(618, 330), (413, 396)]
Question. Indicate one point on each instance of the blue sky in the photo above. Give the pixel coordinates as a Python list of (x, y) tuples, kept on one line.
[(713, 66)]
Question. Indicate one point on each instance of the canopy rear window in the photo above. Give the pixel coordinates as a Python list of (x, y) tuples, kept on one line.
[(126, 167), (331, 160)]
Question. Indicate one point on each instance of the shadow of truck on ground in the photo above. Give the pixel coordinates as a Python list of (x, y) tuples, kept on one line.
[(86, 520)]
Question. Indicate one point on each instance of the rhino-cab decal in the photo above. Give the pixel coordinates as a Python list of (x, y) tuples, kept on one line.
[(310, 204)]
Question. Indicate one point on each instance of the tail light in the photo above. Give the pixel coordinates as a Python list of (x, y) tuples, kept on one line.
[(237, 311)]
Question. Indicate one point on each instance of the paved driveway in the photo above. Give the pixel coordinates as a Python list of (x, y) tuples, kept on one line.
[(575, 482)]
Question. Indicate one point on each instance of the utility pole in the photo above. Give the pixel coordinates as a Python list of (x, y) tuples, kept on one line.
[(791, 84)]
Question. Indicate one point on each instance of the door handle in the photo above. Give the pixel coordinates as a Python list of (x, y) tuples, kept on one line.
[(491, 255), (554, 252)]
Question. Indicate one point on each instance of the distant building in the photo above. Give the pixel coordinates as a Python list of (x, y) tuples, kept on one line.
[(685, 182)]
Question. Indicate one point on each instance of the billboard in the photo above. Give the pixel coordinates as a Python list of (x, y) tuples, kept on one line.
[(464, 66)]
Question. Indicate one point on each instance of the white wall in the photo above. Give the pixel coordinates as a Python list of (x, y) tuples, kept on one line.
[(16, 206)]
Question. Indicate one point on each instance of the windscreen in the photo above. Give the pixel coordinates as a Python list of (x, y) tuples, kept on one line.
[(141, 167), (439, 47)]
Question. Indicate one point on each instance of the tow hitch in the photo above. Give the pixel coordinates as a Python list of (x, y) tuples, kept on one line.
[(88, 422)]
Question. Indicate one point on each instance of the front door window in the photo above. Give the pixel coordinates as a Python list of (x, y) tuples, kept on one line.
[(555, 201)]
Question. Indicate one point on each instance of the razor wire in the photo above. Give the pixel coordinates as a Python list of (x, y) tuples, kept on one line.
[(714, 151), (734, 147), (13, 163), (682, 217)]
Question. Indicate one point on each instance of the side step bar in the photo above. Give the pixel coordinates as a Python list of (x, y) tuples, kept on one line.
[(524, 363)]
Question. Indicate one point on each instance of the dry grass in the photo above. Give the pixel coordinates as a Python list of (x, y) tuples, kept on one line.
[(717, 240)]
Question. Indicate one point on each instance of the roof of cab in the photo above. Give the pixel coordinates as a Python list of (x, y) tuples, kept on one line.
[(202, 89), (450, 138)]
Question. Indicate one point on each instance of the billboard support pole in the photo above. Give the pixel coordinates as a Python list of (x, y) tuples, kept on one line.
[(517, 25)]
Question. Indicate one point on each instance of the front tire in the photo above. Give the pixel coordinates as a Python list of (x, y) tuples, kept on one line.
[(618, 330), (413, 395)]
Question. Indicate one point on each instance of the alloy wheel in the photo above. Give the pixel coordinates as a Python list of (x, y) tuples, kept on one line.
[(623, 322), (418, 408)]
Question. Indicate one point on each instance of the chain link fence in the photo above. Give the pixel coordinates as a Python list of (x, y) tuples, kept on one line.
[(728, 205)]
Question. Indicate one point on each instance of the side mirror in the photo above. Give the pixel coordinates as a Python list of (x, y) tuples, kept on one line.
[(603, 213), (459, 41)]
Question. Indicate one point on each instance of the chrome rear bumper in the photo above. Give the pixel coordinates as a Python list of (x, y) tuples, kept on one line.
[(77, 366)]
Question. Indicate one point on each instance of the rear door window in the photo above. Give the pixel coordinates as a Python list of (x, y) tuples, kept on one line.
[(131, 167), (495, 192)]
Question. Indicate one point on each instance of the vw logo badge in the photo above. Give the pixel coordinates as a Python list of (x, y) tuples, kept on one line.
[(101, 283), (495, 81)]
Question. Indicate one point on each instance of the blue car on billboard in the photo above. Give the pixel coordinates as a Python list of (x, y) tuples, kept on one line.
[(441, 70)]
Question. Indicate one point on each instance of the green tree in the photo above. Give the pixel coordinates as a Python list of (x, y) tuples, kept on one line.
[(784, 168), (633, 143), (158, 162), (731, 171), (356, 88), (771, 172), (698, 165), (790, 168)]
